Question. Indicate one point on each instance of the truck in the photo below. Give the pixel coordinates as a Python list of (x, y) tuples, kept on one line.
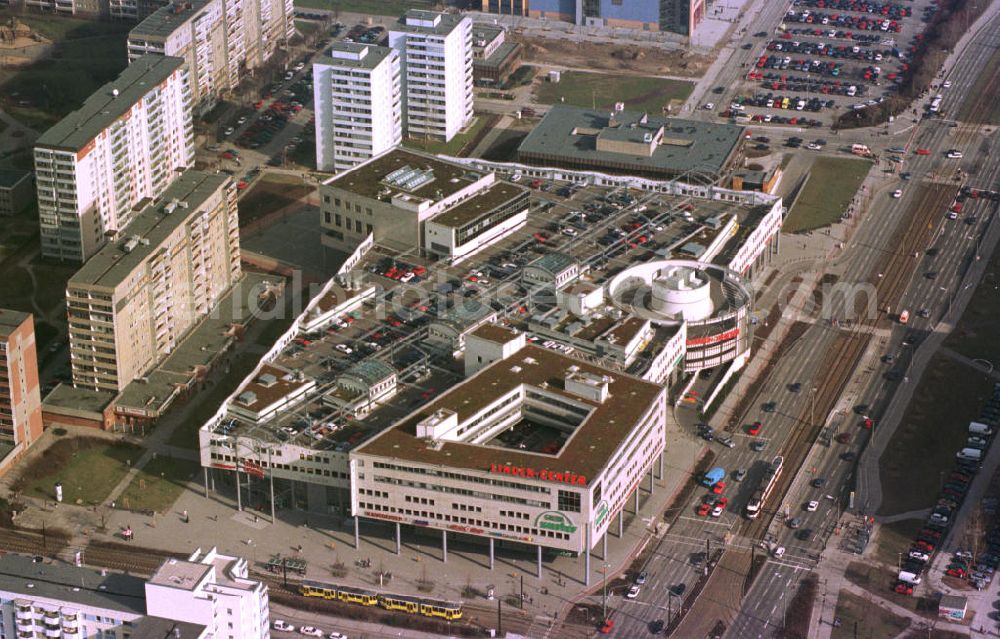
[(980, 429), (862, 150), (714, 476)]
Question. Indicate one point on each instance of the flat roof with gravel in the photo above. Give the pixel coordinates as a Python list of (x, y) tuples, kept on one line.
[(109, 266), (569, 134), (109, 103), (587, 451)]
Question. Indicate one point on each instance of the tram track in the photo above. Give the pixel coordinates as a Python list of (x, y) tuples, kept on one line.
[(891, 275)]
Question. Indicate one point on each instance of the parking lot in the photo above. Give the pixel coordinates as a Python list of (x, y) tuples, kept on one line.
[(824, 58), (277, 126)]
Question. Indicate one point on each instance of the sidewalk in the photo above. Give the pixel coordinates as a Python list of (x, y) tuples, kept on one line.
[(328, 541)]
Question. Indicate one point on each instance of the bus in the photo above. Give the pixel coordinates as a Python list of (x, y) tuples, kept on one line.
[(904, 317)]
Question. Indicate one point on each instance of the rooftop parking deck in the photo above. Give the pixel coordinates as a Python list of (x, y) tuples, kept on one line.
[(393, 326)]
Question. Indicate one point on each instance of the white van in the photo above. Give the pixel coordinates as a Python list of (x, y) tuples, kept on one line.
[(909, 577), (980, 429), (971, 454), (852, 90)]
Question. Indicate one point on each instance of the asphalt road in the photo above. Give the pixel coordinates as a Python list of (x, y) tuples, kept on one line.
[(956, 243)]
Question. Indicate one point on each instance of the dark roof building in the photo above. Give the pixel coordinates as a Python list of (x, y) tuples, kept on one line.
[(631, 142)]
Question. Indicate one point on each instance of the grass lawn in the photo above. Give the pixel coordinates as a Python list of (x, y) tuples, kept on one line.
[(306, 27), (87, 467), (453, 147), (895, 538), (393, 8), (87, 54), (832, 183), (976, 333), (932, 430), (600, 90), (270, 192), (157, 486), (860, 617)]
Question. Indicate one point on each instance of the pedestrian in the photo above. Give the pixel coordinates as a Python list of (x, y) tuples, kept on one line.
[(255, 518)]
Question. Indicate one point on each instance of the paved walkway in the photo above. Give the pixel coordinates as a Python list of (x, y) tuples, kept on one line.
[(328, 541)]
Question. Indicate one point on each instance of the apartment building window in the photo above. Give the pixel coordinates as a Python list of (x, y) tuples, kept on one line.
[(336, 219), (326, 198), (357, 225), (326, 217), (336, 201), (368, 229), (368, 210)]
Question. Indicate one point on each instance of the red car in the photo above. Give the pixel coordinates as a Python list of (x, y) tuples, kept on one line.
[(754, 429), (723, 501), (868, 423), (541, 237), (718, 488), (923, 151), (956, 572), (704, 509), (607, 626), (904, 588)]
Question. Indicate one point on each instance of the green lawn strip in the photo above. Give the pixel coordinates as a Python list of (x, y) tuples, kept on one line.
[(158, 485), (602, 91), (862, 617), (305, 27), (453, 146), (88, 469), (895, 538), (270, 193), (934, 427), (831, 186), (976, 333)]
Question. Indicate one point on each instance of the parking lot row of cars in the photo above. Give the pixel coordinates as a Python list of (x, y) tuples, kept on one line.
[(860, 23), (894, 10), (839, 34), (785, 82), (846, 51), (784, 102), (978, 569)]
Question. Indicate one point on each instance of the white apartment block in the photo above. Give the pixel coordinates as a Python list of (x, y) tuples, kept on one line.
[(127, 142), (356, 90), (220, 41), (212, 590), (54, 599), (436, 61), (136, 299)]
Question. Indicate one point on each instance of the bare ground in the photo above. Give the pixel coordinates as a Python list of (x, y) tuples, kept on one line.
[(613, 57)]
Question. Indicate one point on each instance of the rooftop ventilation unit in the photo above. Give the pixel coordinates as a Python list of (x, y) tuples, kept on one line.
[(247, 398), (267, 379)]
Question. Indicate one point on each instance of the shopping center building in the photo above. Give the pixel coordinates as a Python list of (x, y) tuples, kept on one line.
[(536, 448)]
